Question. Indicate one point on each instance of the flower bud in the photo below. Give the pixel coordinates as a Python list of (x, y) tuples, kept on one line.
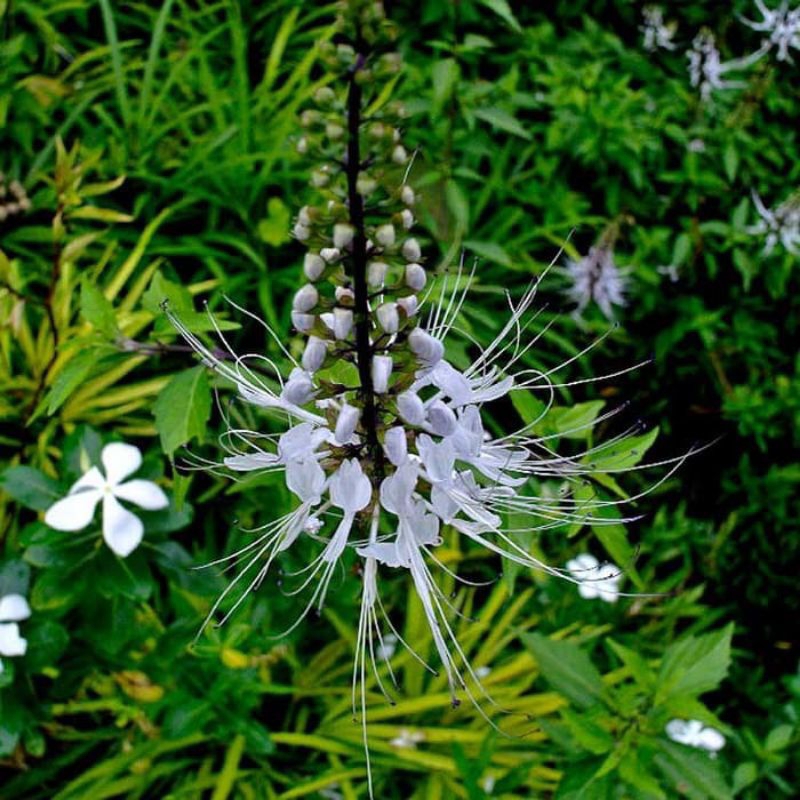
[(407, 195), (411, 408), (345, 296), (327, 320), (399, 155), (407, 218), (342, 322), (343, 235), (376, 273), (334, 131), (346, 423), (330, 254), (385, 235), (408, 304), (442, 419), (427, 349), (301, 232), (313, 266), (395, 445), (415, 277), (303, 216), (302, 145), (411, 250), (388, 317), (306, 298), (314, 354), (365, 184), (302, 322), (381, 371), (299, 389), (320, 179), (324, 96)]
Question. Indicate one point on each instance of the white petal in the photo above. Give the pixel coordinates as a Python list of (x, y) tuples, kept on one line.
[(11, 643), (93, 479), (122, 530), (587, 590), (442, 419), (144, 494), (250, 461), (13, 608), (306, 479), (384, 552), (396, 490), (120, 460), (395, 445), (438, 459), (447, 378), (711, 739), (350, 488), (74, 512)]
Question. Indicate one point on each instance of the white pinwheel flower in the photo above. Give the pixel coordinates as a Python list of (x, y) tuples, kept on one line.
[(595, 580), (693, 733), (14, 608), (783, 26), (122, 529)]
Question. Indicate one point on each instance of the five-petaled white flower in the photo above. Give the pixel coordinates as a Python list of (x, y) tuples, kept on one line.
[(694, 734), (122, 530), (13, 609), (595, 579)]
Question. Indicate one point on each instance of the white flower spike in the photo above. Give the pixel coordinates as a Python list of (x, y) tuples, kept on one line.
[(122, 530)]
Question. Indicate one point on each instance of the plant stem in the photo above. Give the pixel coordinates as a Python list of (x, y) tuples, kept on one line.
[(369, 416)]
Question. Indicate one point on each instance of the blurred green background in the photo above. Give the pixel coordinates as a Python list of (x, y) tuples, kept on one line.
[(156, 144)]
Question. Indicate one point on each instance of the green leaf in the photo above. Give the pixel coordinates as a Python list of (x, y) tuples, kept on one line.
[(30, 488), (503, 10), (445, 74), (587, 732), (74, 374), (571, 422), (621, 455), (567, 668), (498, 118), (695, 664), (182, 409), (458, 204), (692, 774), (97, 310), (161, 290), (491, 251), (637, 666)]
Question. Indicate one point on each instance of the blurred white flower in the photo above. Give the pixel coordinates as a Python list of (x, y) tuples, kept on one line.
[(779, 225), (122, 530), (597, 278), (657, 34), (14, 608), (595, 580), (783, 26), (707, 71), (407, 739), (694, 734)]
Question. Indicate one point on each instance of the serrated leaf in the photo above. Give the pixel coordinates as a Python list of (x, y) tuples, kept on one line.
[(182, 409), (498, 118), (503, 10), (692, 774), (567, 668), (621, 455)]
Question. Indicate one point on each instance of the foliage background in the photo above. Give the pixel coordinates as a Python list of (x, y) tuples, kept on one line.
[(536, 128)]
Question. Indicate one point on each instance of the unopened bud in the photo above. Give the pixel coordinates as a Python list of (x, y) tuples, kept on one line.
[(345, 296), (411, 250), (330, 254), (343, 235), (407, 195), (299, 389), (314, 354), (385, 235), (442, 419), (381, 371), (388, 318), (395, 445), (313, 266), (376, 273), (302, 145), (324, 96), (407, 218), (411, 408), (334, 131), (320, 179), (399, 155), (342, 322), (306, 298), (301, 232), (303, 216), (408, 304), (302, 322), (427, 349), (366, 185), (346, 423), (415, 277)]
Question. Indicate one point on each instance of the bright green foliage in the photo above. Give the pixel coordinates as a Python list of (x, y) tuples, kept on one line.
[(157, 145)]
